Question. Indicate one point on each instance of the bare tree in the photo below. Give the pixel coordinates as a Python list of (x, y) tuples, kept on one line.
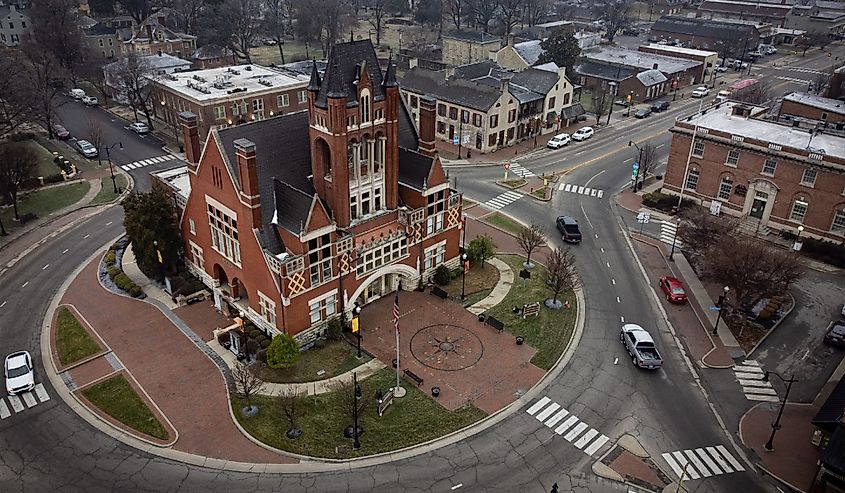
[(132, 78), (561, 275), (43, 72), (616, 15), (56, 30), (244, 20), (536, 11), (334, 17), (17, 101), (344, 392), (647, 159), (751, 268), (17, 164), (95, 133), (755, 94), (247, 384), (510, 14), (456, 10), (291, 406), (530, 238), (602, 102), (726, 48), (699, 230), (277, 17), (820, 81), (483, 12), (189, 12), (141, 9), (377, 14)]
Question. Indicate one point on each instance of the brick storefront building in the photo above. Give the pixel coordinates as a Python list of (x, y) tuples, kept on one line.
[(293, 219), (770, 174), (812, 107)]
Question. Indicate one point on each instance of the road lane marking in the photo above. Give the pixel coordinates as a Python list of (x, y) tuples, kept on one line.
[(584, 440), (622, 319), (545, 413), (65, 251), (596, 445), (457, 486), (669, 460), (538, 405), (557, 417), (109, 223), (86, 237), (682, 461), (45, 267), (613, 281), (707, 460), (718, 458), (3, 304), (566, 424), (727, 455), (16, 403), (4, 410), (24, 284), (661, 145), (594, 177), (618, 300), (698, 464), (579, 428), (29, 399), (41, 393), (608, 264)]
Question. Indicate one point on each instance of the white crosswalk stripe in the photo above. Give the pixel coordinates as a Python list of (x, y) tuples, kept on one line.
[(750, 378), (792, 79), (520, 171), (668, 234), (41, 393), (502, 200), (17, 401), (702, 462), (571, 428), (4, 410), (581, 190), (146, 162), (29, 399), (803, 70)]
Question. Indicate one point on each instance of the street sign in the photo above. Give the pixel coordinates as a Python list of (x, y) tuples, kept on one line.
[(643, 217), (714, 308), (466, 139), (456, 140), (635, 166), (506, 165), (355, 325)]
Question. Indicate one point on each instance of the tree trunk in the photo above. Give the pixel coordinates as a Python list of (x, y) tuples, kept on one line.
[(13, 195), (3, 229), (281, 44)]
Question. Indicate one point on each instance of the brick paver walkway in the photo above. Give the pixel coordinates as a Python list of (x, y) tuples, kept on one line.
[(504, 241), (202, 318), (179, 378), (486, 368)]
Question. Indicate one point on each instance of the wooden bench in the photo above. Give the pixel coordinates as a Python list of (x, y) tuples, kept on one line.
[(413, 377), (439, 292), (495, 323), (530, 309)]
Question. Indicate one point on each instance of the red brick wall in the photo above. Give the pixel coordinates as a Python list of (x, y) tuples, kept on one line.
[(802, 110)]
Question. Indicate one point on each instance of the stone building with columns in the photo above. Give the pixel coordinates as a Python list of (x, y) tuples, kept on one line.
[(294, 219)]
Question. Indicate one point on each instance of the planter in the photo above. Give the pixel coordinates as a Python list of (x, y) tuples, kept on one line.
[(519, 340), (435, 391)]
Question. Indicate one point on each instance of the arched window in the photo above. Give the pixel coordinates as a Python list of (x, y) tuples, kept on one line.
[(365, 106)]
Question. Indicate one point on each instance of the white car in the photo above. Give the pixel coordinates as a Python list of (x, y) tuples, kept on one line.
[(90, 101), (583, 133), (77, 93), (700, 92), (721, 69), (558, 141), (20, 375), (87, 149), (139, 127)]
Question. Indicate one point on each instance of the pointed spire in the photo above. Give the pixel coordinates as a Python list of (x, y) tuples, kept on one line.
[(390, 74), (314, 84)]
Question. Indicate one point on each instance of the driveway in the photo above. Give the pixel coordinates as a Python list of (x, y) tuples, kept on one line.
[(796, 347)]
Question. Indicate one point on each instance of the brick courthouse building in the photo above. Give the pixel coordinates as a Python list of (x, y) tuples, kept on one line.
[(293, 219)]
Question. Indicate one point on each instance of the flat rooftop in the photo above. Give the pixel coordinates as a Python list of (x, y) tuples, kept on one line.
[(228, 82), (722, 120), (812, 100), (639, 59), (178, 178), (680, 49)]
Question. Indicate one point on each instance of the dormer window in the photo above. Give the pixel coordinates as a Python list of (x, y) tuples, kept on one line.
[(365, 106)]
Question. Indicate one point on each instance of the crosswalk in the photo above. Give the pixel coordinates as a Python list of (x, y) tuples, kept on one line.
[(23, 401), (147, 162), (572, 188), (803, 70), (502, 200), (750, 377), (520, 171), (566, 424), (792, 79), (702, 462), (669, 233)]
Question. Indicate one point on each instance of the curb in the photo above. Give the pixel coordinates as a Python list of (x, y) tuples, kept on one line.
[(775, 326)]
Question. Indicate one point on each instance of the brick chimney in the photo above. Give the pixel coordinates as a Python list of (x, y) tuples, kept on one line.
[(190, 134), (427, 123), (248, 177)]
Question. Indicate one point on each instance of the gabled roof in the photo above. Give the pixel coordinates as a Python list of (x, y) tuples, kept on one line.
[(529, 51), (414, 169), (651, 77), (536, 80), (100, 29), (291, 207), (473, 36), (345, 61), (707, 28), (467, 93), (604, 71)]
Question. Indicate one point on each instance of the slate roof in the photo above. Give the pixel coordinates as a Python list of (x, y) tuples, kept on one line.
[(465, 93), (408, 137), (342, 69), (529, 51), (474, 36), (100, 29), (707, 28), (651, 77), (536, 80), (414, 168), (475, 70), (604, 71), (549, 67)]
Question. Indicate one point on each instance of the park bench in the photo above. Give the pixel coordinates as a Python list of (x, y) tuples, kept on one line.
[(413, 377), (439, 292)]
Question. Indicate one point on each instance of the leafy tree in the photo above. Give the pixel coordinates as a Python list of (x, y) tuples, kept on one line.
[(148, 217), (247, 383), (616, 15), (530, 238), (561, 275), (17, 164), (427, 12), (283, 351), (481, 249), (561, 48)]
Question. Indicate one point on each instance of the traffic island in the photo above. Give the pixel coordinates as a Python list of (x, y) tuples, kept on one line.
[(628, 462)]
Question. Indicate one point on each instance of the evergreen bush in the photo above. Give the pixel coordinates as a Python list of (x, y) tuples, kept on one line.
[(283, 352)]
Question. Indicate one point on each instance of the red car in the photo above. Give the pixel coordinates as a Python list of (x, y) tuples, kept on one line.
[(674, 290)]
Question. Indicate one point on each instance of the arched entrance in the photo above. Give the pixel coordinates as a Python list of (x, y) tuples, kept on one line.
[(382, 282), (760, 200)]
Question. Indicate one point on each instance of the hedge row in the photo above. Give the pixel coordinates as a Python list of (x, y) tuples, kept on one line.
[(116, 274)]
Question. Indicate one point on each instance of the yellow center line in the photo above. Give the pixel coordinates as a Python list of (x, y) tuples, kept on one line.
[(605, 155)]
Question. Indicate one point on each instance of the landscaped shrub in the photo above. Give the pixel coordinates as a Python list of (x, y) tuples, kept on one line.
[(282, 352), (264, 344), (765, 314), (442, 275), (261, 355), (251, 346), (223, 337), (135, 291), (261, 338), (110, 258), (254, 333), (113, 272), (663, 201), (334, 329), (57, 178)]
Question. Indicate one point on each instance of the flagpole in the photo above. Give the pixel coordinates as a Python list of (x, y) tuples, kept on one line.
[(398, 391)]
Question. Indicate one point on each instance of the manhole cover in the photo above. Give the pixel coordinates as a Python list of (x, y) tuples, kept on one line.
[(446, 347)]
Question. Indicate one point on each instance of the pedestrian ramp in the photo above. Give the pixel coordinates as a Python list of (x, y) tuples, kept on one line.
[(704, 462), (669, 234), (749, 374), (570, 427), (21, 402)]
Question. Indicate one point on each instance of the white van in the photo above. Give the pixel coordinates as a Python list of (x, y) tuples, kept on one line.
[(722, 96), (77, 93)]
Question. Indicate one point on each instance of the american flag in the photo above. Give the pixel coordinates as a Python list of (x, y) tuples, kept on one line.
[(396, 311)]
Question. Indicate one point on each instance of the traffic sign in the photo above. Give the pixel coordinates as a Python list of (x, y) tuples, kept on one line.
[(635, 166), (643, 217), (506, 165), (466, 139), (714, 308), (456, 140)]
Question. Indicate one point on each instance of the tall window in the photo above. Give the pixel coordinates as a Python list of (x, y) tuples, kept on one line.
[(282, 100), (476, 119), (381, 255), (219, 112), (769, 167), (268, 309), (494, 121), (224, 234), (239, 109), (809, 177), (365, 106), (838, 224), (726, 187), (799, 210), (733, 157), (692, 180), (197, 258), (465, 116), (435, 256), (698, 149), (441, 109), (434, 212), (323, 309), (511, 116), (302, 96), (258, 109), (320, 259), (453, 113)]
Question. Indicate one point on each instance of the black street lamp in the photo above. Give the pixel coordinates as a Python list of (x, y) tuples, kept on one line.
[(722, 303), (639, 163), (356, 310), (463, 276), (159, 261), (356, 444), (630, 103), (111, 168), (770, 445), (674, 238)]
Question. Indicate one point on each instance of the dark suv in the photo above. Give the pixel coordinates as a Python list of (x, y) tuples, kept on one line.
[(568, 227), (660, 106)]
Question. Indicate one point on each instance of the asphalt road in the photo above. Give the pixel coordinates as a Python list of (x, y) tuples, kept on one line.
[(47, 447)]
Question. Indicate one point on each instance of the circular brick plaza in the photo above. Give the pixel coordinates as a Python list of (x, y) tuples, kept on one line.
[(446, 347)]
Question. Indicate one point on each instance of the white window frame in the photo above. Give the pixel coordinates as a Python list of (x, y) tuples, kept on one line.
[(733, 158), (698, 149), (302, 96), (282, 100), (384, 254), (224, 233), (726, 186), (220, 112), (774, 167), (320, 271), (435, 255), (837, 225), (258, 105), (690, 183), (366, 108), (267, 308), (808, 178), (192, 226), (197, 257), (322, 307), (796, 214)]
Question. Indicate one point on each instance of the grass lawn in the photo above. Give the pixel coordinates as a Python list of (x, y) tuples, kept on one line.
[(502, 221), (514, 183), (72, 341), (44, 201), (550, 331), (467, 202), (540, 192), (106, 193), (46, 166), (336, 357), (414, 419), (119, 400), (478, 280)]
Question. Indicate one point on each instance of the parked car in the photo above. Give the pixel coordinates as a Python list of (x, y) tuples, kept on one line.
[(77, 94), (843, 310), (673, 289), (700, 92), (835, 335), (583, 133), (139, 128), (60, 132), (721, 68), (642, 113), (621, 102), (90, 101), (86, 148), (660, 106), (755, 55), (558, 141), (640, 346), (568, 227), (20, 375)]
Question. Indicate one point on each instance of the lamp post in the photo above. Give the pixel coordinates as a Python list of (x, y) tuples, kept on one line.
[(639, 163), (723, 301), (356, 310), (613, 92), (463, 276), (460, 132), (770, 445), (159, 260), (356, 444), (674, 240), (111, 168), (630, 103), (797, 245)]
